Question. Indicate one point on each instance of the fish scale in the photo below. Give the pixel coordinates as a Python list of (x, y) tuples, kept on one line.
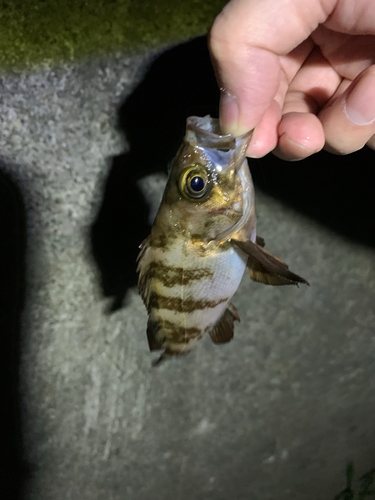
[(220, 277)]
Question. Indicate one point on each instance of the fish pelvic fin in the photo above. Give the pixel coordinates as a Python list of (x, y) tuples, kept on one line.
[(222, 332), (267, 268), (167, 354), (260, 241)]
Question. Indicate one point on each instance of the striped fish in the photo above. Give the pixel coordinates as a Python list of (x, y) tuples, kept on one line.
[(202, 240)]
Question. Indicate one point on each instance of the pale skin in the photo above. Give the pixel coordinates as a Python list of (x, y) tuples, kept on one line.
[(301, 73)]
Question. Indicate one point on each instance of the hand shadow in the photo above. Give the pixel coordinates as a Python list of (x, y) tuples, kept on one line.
[(179, 83), (334, 190)]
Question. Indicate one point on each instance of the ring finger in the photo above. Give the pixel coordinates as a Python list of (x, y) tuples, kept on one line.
[(349, 119)]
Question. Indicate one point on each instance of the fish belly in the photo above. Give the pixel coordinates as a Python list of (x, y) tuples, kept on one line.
[(188, 293)]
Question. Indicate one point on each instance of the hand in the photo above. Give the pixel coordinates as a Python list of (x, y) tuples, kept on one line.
[(300, 71)]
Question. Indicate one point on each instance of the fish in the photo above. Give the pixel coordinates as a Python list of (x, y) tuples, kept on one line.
[(201, 242)]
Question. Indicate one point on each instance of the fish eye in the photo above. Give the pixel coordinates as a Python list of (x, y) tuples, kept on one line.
[(194, 182), (197, 184)]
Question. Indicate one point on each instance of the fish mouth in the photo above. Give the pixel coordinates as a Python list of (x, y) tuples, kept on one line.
[(221, 150)]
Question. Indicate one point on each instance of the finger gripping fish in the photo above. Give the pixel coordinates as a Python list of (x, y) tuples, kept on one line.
[(202, 240)]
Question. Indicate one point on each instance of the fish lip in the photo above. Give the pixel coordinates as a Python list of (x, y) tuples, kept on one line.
[(206, 133), (223, 150), (210, 127), (206, 124)]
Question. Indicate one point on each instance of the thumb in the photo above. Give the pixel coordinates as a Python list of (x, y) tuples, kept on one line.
[(246, 42)]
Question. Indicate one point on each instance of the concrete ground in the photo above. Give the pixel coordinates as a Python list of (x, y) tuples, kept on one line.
[(276, 414)]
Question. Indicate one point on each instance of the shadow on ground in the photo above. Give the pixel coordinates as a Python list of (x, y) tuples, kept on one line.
[(336, 191), (12, 279), (179, 83)]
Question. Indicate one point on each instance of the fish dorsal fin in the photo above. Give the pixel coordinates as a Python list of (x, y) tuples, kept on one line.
[(267, 268), (223, 330), (143, 260)]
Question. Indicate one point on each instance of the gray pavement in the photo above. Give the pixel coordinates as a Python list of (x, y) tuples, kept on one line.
[(276, 414)]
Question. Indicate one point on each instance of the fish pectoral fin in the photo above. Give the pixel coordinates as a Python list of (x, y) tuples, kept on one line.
[(267, 268), (222, 332), (154, 343)]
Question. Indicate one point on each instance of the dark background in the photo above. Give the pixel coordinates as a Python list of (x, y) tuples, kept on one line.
[(12, 278)]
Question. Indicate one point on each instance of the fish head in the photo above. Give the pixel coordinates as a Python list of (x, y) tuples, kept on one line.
[(208, 189)]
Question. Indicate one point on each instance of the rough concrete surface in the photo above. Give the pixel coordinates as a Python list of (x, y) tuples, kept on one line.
[(275, 414)]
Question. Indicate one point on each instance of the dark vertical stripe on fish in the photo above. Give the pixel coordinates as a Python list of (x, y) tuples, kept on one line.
[(181, 305), (171, 276)]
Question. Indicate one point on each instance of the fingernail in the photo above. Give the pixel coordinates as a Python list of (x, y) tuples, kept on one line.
[(228, 112), (359, 106), (250, 150)]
